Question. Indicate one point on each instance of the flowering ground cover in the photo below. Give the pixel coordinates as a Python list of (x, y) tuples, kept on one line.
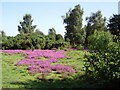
[(36, 65), (43, 68)]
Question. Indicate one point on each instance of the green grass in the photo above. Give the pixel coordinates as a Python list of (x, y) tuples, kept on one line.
[(76, 60), (10, 73), (19, 77)]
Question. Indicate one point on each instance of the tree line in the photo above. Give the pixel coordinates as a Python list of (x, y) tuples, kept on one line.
[(97, 34)]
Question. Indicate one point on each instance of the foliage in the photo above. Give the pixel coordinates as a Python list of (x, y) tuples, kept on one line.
[(3, 38), (52, 31), (96, 22), (35, 40), (49, 43), (7, 43), (26, 25), (59, 37), (74, 31), (39, 32), (26, 41), (116, 38), (80, 47), (60, 44), (114, 25), (104, 64), (52, 34), (2, 33), (99, 40)]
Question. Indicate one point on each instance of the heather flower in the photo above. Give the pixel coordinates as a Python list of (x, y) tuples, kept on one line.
[(62, 68), (38, 66), (9, 52)]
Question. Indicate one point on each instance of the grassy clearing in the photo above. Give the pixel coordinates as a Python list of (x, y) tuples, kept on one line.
[(76, 59), (19, 77), (10, 73)]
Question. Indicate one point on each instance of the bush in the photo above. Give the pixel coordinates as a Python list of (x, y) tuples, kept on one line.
[(80, 47), (34, 41), (116, 38), (104, 64), (25, 41), (99, 40)]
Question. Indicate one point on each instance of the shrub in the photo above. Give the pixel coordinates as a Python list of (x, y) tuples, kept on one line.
[(80, 47), (99, 40), (104, 64)]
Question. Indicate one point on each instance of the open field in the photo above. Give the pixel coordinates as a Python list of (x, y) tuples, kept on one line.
[(66, 72)]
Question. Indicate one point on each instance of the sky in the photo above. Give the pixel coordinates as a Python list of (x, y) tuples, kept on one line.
[(48, 14)]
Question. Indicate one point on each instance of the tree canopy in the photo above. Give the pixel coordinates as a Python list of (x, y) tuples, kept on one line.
[(74, 31), (26, 26), (114, 25), (95, 22)]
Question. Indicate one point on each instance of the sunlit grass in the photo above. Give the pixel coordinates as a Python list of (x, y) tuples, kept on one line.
[(10, 72), (19, 76)]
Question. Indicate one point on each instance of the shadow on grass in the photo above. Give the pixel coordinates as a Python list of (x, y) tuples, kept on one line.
[(82, 81), (79, 82)]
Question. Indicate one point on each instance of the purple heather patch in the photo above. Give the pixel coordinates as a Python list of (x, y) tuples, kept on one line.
[(39, 66)]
